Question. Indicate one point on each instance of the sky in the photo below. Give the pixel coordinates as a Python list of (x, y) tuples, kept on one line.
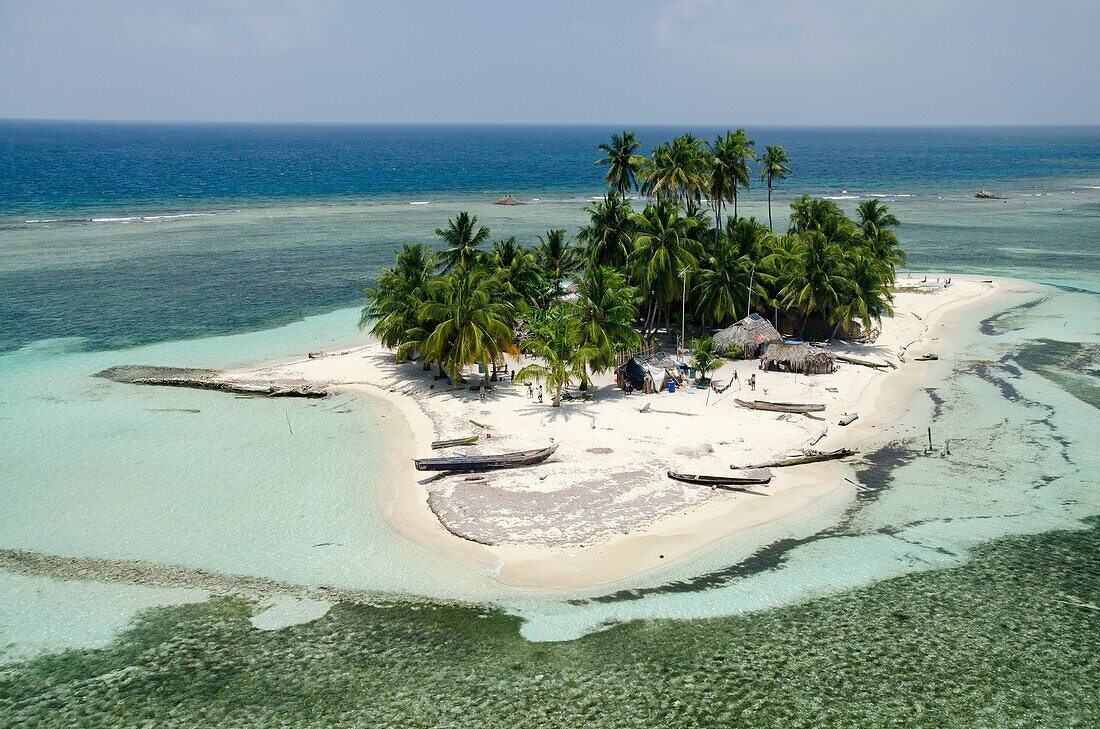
[(736, 62)]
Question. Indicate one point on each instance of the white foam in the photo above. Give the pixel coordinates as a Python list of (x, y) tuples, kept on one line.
[(420, 202), (840, 197), (889, 194), (151, 218), (178, 215)]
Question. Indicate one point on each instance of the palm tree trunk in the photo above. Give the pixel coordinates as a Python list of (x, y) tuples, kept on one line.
[(651, 318), (770, 229), (735, 202), (836, 329), (557, 396), (717, 219)]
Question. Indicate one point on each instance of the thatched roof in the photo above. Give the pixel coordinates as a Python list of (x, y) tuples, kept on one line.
[(749, 334), (798, 358), (508, 200)]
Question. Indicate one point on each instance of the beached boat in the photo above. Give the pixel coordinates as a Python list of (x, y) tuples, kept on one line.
[(466, 440), (748, 478), (806, 457), (781, 407), (486, 463)]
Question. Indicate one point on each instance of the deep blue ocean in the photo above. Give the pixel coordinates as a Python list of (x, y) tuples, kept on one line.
[(62, 167), (125, 233)]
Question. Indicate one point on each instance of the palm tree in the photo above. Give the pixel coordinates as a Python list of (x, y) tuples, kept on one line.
[(721, 285), (875, 216), (675, 169), (556, 257), (558, 345), (462, 236), (610, 232), (606, 309), (748, 237), (704, 356), (740, 153), (729, 170), (773, 166), (470, 322), (516, 272), (623, 160), (868, 296), (817, 279), (394, 300), (663, 246), (876, 224)]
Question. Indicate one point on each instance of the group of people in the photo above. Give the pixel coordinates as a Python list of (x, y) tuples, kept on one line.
[(532, 391)]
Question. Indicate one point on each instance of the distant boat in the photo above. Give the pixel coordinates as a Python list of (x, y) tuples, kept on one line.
[(466, 440), (781, 407), (486, 463), (747, 479)]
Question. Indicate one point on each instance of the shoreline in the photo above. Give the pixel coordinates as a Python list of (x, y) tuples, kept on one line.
[(651, 544)]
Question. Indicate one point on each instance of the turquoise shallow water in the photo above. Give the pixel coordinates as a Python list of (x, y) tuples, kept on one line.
[(287, 490)]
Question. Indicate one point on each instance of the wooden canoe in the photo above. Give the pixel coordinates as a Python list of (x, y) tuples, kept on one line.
[(806, 457), (466, 440), (749, 478), (486, 463), (781, 407)]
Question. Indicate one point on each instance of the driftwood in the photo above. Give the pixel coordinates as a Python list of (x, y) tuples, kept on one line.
[(848, 418), (807, 456), (268, 389), (819, 436), (203, 379), (863, 362)]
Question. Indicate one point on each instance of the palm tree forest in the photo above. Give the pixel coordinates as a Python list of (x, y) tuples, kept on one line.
[(663, 254)]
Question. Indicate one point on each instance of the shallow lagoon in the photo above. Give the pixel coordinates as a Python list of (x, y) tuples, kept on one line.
[(286, 490)]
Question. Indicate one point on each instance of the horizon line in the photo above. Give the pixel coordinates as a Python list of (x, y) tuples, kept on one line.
[(628, 125)]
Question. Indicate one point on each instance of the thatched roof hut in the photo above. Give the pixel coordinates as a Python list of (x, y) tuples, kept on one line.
[(750, 334), (508, 199), (803, 358)]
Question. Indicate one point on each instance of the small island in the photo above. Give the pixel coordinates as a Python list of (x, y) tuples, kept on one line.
[(644, 363)]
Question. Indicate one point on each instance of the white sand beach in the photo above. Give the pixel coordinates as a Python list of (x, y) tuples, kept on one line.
[(602, 508)]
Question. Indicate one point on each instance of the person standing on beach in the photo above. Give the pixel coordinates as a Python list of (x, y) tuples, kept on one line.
[(530, 390), (540, 392)]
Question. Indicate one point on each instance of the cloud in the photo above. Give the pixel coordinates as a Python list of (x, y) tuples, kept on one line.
[(754, 34), (230, 28)]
